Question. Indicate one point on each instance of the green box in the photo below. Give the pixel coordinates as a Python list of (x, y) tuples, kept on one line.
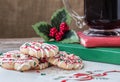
[(105, 55)]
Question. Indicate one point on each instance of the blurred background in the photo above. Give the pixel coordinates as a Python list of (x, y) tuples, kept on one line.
[(18, 16)]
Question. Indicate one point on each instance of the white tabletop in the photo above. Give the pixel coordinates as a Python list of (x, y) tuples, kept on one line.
[(55, 74)]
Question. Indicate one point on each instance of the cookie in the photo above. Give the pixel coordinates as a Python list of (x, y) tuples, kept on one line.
[(26, 64), (66, 61), (39, 50), (7, 60), (43, 63), (15, 60)]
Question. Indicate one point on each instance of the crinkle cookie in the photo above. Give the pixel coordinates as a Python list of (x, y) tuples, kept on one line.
[(39, 49), (66, 61)]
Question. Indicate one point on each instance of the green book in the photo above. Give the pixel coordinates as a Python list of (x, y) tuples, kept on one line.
[(105, 55)]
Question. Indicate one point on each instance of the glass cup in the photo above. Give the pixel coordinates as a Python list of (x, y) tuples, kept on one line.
[(101, 16)]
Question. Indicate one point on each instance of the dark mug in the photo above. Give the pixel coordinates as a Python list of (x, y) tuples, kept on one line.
[(102, 17)]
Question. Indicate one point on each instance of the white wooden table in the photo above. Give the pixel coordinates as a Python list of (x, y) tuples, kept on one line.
[(92, 71)]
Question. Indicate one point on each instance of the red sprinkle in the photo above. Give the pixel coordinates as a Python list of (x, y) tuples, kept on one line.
[(8, 55), (25, 46), (38, 71), (32, 47), (38, 49), (30, 58), (63, 81)]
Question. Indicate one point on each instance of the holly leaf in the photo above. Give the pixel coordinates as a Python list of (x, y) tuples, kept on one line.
[(42, 29), (61, 15), (70, 37)]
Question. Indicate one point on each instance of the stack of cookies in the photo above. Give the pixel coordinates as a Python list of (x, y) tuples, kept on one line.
[(37, 56)]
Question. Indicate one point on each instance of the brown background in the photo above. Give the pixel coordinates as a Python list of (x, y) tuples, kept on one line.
[(17, 16)]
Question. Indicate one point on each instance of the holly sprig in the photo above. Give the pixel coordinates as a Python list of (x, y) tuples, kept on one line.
[(43, 29), (61, 15)]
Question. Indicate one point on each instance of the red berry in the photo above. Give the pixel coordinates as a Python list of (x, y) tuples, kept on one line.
[(58, 36), (64, 27), (61, 33), (53, 31)]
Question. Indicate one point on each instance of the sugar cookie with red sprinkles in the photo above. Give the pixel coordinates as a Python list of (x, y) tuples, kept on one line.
[(8, 58), (26, 64), (39, 49), (66, 61), (15, 60)]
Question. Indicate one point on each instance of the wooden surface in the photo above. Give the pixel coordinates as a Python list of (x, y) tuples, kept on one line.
[(12, 44), (18, 16)]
